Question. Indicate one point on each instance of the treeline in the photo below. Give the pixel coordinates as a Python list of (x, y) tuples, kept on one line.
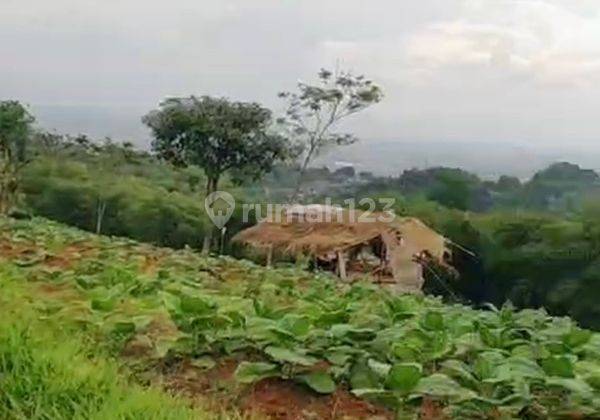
[(535, 243), (532, 259), (113, 189), (561, 188)]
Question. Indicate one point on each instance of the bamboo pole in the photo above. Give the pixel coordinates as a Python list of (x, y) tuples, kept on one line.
[(341, 265), (270, 256)]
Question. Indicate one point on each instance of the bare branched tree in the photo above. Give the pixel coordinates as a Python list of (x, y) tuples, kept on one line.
[(314, 111)]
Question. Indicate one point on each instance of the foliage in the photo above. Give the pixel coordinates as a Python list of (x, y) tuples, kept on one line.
[(15, 126), (49, 371), (398, 350), (316, 109), (217, 135), (164, 211)]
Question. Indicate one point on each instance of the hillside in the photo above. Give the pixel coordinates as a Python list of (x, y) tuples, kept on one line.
[(228, 336)]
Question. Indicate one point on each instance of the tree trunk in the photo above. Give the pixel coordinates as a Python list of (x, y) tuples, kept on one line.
[(8, 182), (4, 199), (100, 210), (211, 187), (307, 160)]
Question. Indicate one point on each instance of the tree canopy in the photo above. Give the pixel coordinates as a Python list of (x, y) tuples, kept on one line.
[(217, 135), (15, 127)]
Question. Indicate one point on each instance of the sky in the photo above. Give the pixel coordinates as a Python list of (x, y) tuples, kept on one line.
[(514, 72)]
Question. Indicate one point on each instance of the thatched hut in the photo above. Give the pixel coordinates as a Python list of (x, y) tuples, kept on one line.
[(351, 244)]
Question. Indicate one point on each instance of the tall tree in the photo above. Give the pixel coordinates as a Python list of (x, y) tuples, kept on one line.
[(315, 110), (15, 128), (218, 135)]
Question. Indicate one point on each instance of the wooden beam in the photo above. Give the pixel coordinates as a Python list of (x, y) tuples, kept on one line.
[(341, 265), (270, 256)]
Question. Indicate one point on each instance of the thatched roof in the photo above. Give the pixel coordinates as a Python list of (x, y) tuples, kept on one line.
[(321, 237)]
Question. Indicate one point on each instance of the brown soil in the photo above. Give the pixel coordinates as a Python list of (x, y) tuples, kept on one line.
[(63, 260), (285, 400), (215, 387), (431, 410), (10, 250), (151, 264), (70, 255), (59, 292), (142, 344), (272, 398)]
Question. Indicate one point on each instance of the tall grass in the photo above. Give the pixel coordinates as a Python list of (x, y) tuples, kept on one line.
[(45, 376), (48, 372)]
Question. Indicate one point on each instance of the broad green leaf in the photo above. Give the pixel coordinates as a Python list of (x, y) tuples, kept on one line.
[(490, 337), (248, 372), (124, 327), (556, 347), (338, 358), (411, 346), (380, 369), (297, 325), (590, 372), (332, 318), (370, 392), (104, 304), (440, 385), (486, 363), (351, 332), (515, 368), (576, 386), (433, 321), (460, 372), (403, 376), (439, 346), (281, 354), (558, 366), (195, 305), (406, 352), (383, 396), (576, 337), (319, 381), (361, 376)]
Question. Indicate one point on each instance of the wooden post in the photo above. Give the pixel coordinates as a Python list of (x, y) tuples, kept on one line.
[(269, 255), (341, 265)]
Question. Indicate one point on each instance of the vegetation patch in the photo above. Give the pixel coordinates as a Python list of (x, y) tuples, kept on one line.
[(248, 336)]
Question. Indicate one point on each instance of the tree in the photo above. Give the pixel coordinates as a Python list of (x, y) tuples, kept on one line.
[(15, 128), (315, 110), (507, 183), (218, 135)]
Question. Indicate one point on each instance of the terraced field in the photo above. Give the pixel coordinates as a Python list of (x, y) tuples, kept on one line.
[(98, 327)]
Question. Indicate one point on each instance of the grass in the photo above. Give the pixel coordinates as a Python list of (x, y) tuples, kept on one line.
[(50, 370)]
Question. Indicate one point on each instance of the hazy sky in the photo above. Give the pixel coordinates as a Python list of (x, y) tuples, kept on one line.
[(521, 71)]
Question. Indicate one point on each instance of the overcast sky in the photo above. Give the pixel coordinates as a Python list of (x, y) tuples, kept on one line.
[(521, 71)]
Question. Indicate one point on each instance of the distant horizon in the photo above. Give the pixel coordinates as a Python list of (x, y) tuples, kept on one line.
[(368, 154)]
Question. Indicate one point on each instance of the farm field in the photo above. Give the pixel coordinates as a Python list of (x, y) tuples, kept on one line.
[(99, 327)]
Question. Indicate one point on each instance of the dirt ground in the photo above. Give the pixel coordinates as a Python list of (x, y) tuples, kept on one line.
[(273, 398)]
